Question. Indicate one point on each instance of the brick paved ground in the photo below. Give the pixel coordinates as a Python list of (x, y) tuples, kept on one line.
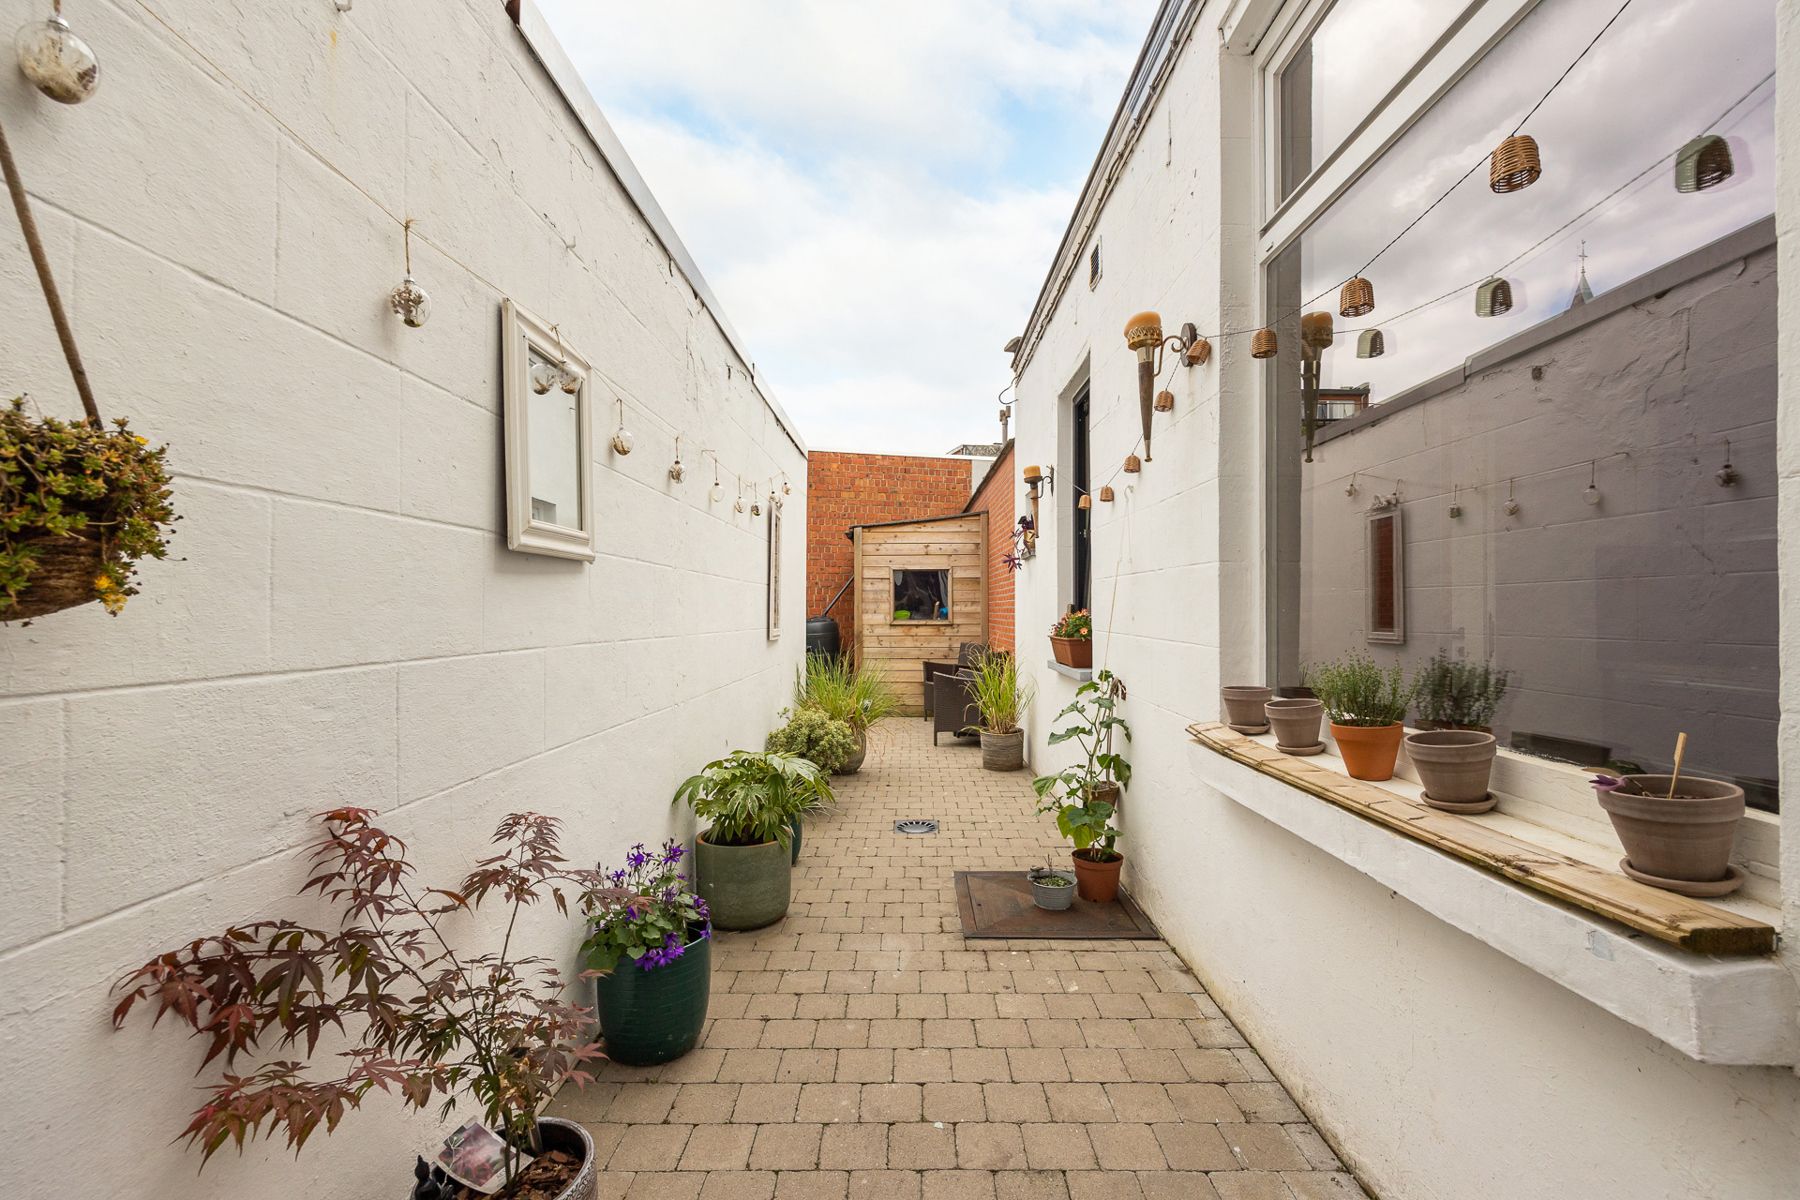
[(862, 1049)]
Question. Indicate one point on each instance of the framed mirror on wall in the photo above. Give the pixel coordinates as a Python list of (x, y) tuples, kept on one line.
[(549, 439), (774, 568)]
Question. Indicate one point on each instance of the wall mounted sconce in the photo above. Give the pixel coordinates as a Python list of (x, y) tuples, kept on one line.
[(1144, 334)]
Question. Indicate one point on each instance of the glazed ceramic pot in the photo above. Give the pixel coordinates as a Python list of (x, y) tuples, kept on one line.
[(853, 764), (1453, 764), (557, 1134), (1054, 897), (745, 887), (1073, 652), (1097, 881), (1003, 751), (1369, 750), (1688, 838), (1243, 706), (1296, 722), (655, 1016)]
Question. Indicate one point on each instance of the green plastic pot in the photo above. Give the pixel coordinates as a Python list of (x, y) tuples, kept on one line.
[(655, 1016), (745, 887)]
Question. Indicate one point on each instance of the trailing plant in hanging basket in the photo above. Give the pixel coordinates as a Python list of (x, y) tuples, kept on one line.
[(80, 504)]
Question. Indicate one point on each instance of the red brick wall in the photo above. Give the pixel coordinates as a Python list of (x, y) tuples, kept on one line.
[(996, 499), (859, 489)]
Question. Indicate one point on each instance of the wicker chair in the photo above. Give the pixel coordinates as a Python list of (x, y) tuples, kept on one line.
[(967, 655), (953, 708)]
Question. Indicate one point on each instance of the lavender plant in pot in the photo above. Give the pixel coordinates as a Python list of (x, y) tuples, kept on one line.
[(1366, 704), (1677, 830)]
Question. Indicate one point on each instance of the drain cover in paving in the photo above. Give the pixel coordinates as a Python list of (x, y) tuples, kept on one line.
[(997, 904), (916, 825)]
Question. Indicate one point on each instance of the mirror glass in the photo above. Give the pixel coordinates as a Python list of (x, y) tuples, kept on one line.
[(555, 437)]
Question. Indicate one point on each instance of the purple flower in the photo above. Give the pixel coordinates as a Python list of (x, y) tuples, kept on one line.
[(1606, 783)]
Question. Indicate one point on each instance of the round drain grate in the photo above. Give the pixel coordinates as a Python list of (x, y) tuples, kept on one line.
[(916, 825)]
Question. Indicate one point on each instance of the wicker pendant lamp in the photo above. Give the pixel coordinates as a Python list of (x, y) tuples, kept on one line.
[(1106, 494), (1493, 298), (1165, 401), (1262, 344), (1514, 165), (1198, 353), (1085, 502), (1133, 464), (1703, 163), (1357, 298), (1370, 344)]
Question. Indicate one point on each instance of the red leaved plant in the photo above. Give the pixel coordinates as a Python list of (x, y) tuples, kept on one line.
[(422, 1020)]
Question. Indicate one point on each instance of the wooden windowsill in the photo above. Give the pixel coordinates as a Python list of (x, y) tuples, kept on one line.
[(1691, 924)]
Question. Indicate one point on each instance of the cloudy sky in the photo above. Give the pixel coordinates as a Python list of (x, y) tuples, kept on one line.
[(873, 191)]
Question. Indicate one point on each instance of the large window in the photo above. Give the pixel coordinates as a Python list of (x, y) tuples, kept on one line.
[(1557, 473)]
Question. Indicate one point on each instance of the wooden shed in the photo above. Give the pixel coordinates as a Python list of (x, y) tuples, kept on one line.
[(921, 591)]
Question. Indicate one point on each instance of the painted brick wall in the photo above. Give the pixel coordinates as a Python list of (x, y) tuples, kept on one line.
[(859, 489), (996, 498)]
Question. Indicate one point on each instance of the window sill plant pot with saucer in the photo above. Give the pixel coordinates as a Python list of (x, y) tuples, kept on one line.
[(1296, 723), (653, 945), (743, 863), (1454, 766), (1072, 640), (1052, 890), (262, 993), (1085, 796), (1677, 831), (1001, 698), (1366, 704), (1243, 704), (857, 696)]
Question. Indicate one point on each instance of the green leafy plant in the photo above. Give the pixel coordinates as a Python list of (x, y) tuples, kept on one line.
[(1356, 691), (749, 798), (1078, 625), (1461, 694), (61, 480), (857, 696), (1076, 793), (1000, 693), (815, 735)]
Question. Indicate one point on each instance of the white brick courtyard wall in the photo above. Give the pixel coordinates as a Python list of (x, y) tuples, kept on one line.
[(340, 622)]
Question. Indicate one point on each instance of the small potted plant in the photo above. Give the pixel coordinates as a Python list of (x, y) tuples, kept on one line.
[(1001, 697), (859, 696), (1085, 797), (1366, 705), (649, 945), (1677, 830), (399, 1009), (80, 505), (1454, 693), (742, 861), (1051, 889), (1072, 639)]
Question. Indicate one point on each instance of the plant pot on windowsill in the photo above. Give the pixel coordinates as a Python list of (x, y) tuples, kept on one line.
[(745, 887), (1682, 844), (656, 1015), (1245, 705), (1369, 751), (1073, 652), (1053, 891), (1003, 751), (1296, 723), (1454, 766)]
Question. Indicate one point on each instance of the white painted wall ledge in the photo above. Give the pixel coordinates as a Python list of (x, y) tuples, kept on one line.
[(1728, 1011)]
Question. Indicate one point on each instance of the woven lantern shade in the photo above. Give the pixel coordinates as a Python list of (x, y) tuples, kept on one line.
[(1514, 165), (1199, 352), (1085, 502), (1034, 474), (1106, 494), (1493, 298), (1315, 329), (1133, 464), (1357, 299), (1165, 401), (1702, 163), (1262, 344), (1370, 344)]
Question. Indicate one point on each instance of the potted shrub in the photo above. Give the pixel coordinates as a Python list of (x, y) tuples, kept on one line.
[(1001, 697), (857, 696), (80, 504), (742, 861), (649, 942), (1051, 889), (1453, 767), (813, 734), (1296, 722), (1366, 705), (1085, 796), (1454, 693), (1072, 639), (400, 1009), (1677, 831)]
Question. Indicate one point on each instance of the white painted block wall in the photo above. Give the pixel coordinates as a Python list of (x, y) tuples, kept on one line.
[(1440, 1068), (340, 622)]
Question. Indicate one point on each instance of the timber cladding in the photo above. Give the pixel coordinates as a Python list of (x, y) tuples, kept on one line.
[(899, 648)]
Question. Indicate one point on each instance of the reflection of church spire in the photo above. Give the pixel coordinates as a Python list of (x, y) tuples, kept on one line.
[(1583, 293)]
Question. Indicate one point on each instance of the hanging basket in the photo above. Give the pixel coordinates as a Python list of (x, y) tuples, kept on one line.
[(1493, 298), (62, 577), (1262, 344), (1514, 165), (1702, 163), (1370, 344), (1315, 329), (1199, 352), (1133, 464), (1165, 401), (1106, 494), (1357, 299)]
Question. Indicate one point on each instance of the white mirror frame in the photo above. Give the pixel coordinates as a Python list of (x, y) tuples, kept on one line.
[(521, 333)]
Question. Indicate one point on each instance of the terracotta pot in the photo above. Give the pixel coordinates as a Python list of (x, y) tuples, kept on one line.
[(1296, 722), (853, 764), (1453, 764), (1369, 750), (1003, 751), (1243, 706), (1073, 652), (1097, 882), (1687, 838)]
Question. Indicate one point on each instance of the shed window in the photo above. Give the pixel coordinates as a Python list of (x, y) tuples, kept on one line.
[(921, 595)]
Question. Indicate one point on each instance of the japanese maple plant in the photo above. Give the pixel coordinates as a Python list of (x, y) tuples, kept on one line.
[(406, 1011)]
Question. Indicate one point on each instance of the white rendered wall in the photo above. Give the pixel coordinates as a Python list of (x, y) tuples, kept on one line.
[(1439, 1067), (341, 622)]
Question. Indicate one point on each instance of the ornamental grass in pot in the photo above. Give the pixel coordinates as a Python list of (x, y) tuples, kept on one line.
[(750, 800), (1366, 705), (859, 696), (649, 947), (1001, 697), (1085, 797), (403, 1010), (1072, 639)]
